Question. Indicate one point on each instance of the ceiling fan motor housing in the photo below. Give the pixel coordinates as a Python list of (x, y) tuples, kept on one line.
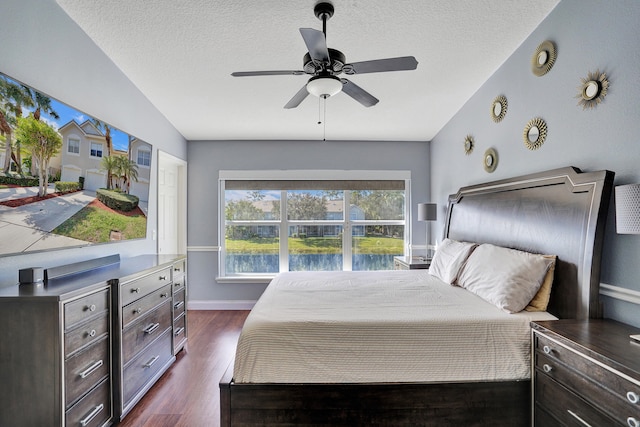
[(336, 58)]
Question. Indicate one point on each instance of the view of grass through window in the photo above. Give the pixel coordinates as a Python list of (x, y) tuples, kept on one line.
[(313, 230)]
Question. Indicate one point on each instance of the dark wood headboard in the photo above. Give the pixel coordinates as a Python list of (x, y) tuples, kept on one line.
[(561, 212)]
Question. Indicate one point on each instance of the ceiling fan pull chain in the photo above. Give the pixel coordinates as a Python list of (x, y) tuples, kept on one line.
[(324, 121)]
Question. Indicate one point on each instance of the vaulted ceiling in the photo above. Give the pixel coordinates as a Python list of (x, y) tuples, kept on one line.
[(180, 54)]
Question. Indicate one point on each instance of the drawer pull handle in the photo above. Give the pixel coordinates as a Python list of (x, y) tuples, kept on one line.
[(633, 422), (151, 329), (162, 278), (574, 415), (135, 290), (633, 397), (179, 331), (137, 311), (547, 368), (91, 333), (91, 369), (164, 295), (546, 349), (86, 420), (178, 305), (177, 284), (91, 307), (151, 362)]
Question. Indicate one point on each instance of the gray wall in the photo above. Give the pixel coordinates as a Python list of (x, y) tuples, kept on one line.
[(206, 158), (42, 47), (589, 35)]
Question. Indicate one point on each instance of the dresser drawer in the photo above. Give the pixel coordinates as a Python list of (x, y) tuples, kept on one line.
[(565, 406), (178, 303), (86, 369), (179, 333), (147, 364), (139, 308), (179, 283), (85, 334), (140, 333), (93, 410), (179, 268), (604, 388), (135, 289), (84, 308)]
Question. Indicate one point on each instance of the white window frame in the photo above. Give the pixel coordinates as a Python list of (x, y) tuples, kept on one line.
[(138, 152), (91, 150), (73, 139), (284, 223)]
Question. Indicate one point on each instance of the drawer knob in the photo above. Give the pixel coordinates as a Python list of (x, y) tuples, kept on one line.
[(135, 290), (91, 307), (137, 310), (547, 368), (633, 422), (164, 295), (92, 333), (162, 278), (86, 420), (633, 397), (546, 349)]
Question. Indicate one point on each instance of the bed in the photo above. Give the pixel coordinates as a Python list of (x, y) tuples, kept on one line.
[(560, 212)]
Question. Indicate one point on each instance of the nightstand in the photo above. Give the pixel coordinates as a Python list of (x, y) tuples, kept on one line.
[(410, 263), (585, 372)]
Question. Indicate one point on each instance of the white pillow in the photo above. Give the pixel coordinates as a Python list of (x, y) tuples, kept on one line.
[(448, 259), (507, 278)]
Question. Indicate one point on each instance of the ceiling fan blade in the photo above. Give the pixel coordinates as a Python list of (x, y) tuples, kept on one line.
[(267, 73), (379, 65), (357, 93), (297, 98), (316, 44)]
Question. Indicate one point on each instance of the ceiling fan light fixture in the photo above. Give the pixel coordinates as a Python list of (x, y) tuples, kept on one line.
[(322, 86)]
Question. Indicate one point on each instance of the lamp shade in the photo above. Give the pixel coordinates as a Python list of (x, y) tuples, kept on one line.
[(427, 211), (628, 209), (324, 85)]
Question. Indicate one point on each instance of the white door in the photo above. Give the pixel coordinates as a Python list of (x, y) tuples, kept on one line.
[(172, 204)]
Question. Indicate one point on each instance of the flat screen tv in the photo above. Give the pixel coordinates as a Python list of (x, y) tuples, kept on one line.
[(66, 179)]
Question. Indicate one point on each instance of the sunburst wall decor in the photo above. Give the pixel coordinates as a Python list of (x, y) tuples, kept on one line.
[(499, 108), (592, 89), (490, 160), (534, 134), (468, 144), (543, 59)]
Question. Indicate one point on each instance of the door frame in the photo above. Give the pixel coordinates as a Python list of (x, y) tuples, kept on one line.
[(165, 159)]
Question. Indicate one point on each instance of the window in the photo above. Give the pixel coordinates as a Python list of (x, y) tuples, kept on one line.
[(144, 157), (73, 146), (96, 149), (328, 224)]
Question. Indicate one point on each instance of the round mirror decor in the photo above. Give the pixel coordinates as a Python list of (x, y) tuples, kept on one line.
[(535, 132), (543, 59), (468, 144), (499, 108), (490, 160), (592, 89)]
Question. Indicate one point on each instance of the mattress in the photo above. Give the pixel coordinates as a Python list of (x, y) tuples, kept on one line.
[(379, 326)]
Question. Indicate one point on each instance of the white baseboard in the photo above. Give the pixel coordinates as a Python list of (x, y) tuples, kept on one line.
[(620, 293), (220, 305)]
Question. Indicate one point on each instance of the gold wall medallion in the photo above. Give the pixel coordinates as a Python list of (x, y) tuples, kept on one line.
[(534, 134), (592, 89), (544, 57), (499, 108), (468, 144), (490, 160)]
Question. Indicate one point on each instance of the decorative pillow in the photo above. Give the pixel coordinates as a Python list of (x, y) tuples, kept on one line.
[(449, 257), (507, 278), (541, 300)]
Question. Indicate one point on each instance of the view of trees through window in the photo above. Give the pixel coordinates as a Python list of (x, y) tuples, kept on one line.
[(312, 230)]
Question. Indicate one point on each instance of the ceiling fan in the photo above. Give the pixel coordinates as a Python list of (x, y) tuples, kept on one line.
[(325, 64)]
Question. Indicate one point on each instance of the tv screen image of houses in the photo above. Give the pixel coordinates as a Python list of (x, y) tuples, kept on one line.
[(67, 179)]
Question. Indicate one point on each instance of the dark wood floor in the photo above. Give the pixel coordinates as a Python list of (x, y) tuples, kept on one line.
[(188, 394)]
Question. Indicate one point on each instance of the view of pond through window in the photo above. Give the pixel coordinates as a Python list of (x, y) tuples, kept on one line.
[(313, 230)]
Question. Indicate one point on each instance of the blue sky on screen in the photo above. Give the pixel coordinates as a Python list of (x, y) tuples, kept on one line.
[(120, 139)]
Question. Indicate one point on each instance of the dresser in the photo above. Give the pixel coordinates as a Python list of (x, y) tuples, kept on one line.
[(585, 373), (83, 347)]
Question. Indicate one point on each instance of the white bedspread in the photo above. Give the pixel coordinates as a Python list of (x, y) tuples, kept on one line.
[(382, 326)]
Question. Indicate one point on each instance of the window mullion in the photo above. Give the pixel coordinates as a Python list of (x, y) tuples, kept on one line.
[(347, 256), (284, 233)]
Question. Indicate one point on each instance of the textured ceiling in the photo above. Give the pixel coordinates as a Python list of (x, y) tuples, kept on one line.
[(180, 54)]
